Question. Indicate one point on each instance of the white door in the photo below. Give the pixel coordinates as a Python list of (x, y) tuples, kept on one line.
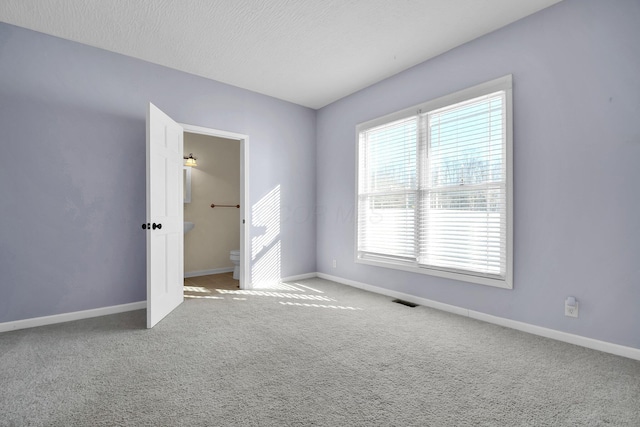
[(165, 234)]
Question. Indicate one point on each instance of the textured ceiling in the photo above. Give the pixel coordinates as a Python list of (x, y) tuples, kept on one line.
[(310, 52)]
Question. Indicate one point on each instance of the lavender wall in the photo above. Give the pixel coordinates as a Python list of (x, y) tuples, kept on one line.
[(576, 111), (72, 170)]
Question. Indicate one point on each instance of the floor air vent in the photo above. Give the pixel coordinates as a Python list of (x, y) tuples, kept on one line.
[(407, 303)]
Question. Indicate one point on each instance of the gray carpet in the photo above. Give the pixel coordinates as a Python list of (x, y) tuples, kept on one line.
[(327, 356)]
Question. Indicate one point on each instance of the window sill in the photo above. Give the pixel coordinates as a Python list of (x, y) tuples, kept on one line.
[(413, 268)]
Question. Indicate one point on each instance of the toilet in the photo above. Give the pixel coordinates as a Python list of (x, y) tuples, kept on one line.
[(234, 256)]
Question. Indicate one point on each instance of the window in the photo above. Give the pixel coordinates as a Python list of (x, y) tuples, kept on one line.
[(434, 187)]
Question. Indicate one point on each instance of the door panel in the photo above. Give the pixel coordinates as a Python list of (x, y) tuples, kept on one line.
[(164, 207)]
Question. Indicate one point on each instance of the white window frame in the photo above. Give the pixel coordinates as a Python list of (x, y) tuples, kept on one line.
[(500, 84)]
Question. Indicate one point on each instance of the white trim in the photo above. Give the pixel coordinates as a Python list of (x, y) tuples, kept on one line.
[(400, 295), (213, 132), (504, 84), (299, 277), (245, 216), (199, 273), (509, 183), (69, 317), (245, 212), (604, 346), (494, 85), (462, 277)]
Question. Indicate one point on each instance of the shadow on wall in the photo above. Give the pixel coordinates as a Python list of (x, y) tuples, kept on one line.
[(266, 247)]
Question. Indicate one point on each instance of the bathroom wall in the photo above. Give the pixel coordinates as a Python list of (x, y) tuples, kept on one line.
[(216, 179)]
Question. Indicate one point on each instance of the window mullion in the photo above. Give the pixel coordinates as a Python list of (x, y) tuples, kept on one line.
[(422, 172)]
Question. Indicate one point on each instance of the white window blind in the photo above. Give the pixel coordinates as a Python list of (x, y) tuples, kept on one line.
[(434, 188), (463, 208), (388, 190)]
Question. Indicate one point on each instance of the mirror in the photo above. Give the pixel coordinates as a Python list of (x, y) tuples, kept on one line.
[(186, 181)]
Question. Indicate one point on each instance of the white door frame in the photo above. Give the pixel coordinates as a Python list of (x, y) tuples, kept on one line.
[(245, 212)]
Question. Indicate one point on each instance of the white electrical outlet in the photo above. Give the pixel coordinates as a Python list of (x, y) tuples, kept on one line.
[(334, 264), (571, 307)]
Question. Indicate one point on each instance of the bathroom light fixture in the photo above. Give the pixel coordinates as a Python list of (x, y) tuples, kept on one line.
[(190, 161)]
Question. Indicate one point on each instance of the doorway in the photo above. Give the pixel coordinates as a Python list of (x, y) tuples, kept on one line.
[(226, 208)]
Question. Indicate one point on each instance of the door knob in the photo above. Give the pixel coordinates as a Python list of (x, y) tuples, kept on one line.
[(145, 226), (158, 226)]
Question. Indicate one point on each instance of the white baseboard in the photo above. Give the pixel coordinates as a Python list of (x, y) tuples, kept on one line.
[(604, 346), (607, 347), (275, 282), (68, 317), (299, 277), (406, 297), (208, 272), (104, 311)]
